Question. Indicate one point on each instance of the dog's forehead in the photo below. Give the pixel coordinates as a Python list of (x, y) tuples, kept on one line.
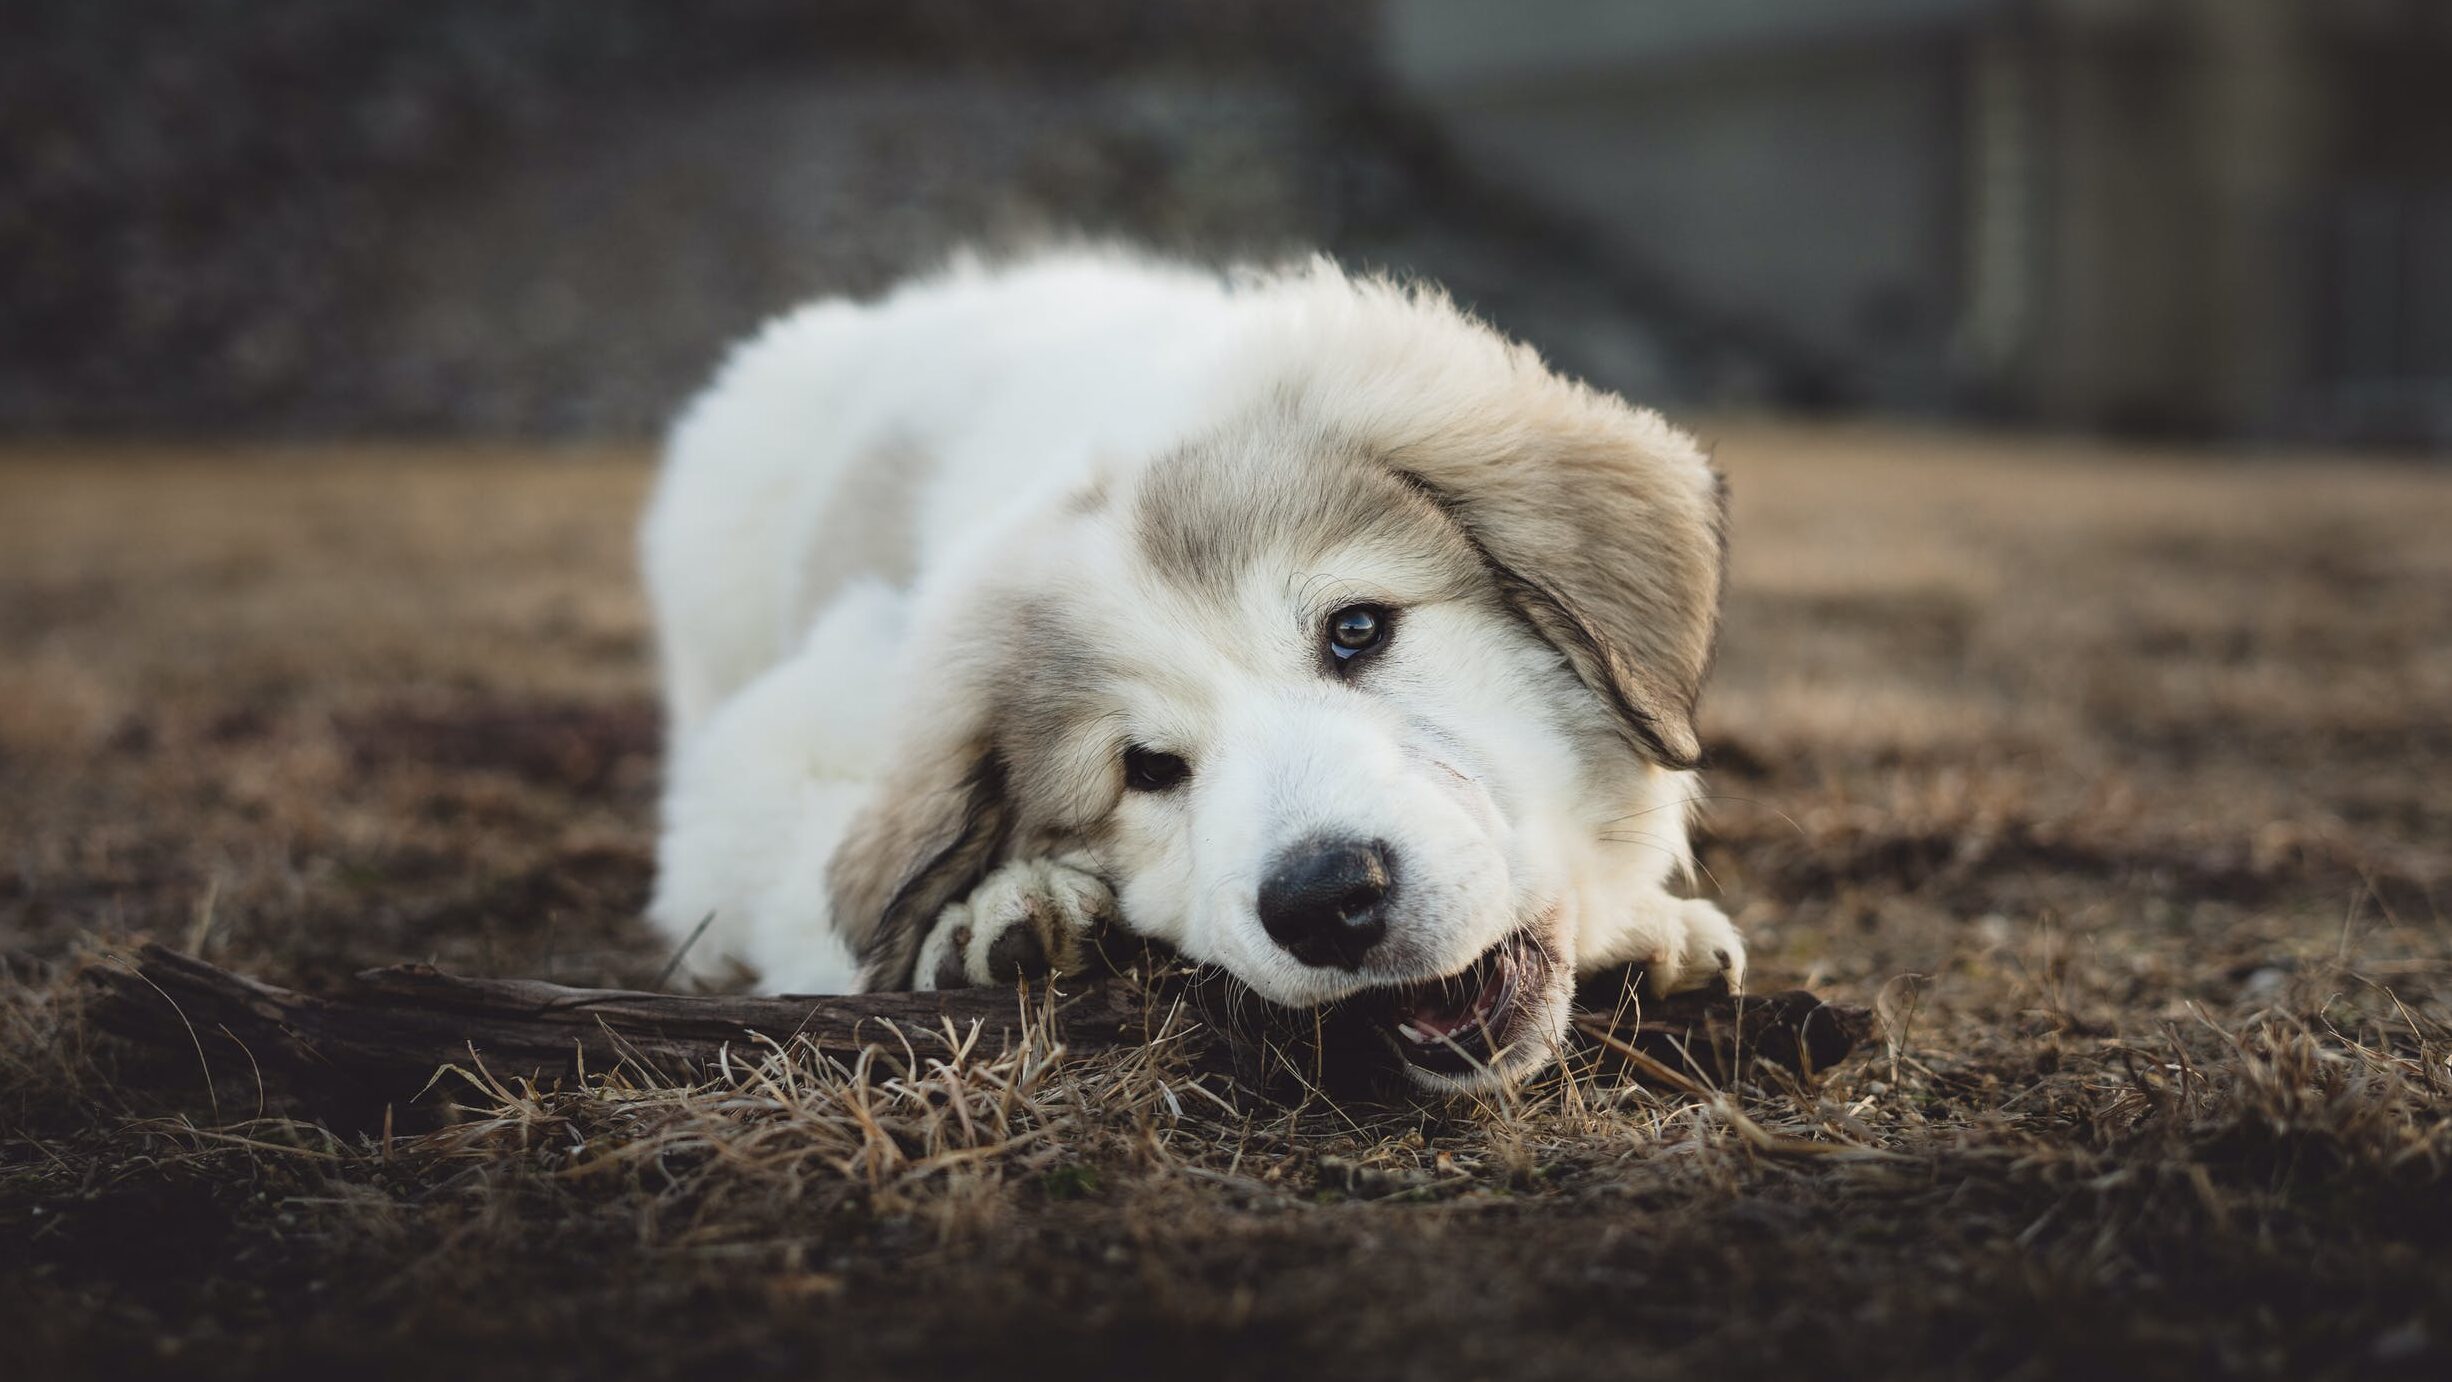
[(1280, 498)]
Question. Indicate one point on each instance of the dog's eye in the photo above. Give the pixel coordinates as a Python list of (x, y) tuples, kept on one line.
[(1147, 770), (1357, 629)]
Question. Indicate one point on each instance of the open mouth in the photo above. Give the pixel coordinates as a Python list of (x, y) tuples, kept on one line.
[(1478, 1017)]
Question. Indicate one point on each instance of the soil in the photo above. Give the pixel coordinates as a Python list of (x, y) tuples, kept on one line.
[(2111, 779)]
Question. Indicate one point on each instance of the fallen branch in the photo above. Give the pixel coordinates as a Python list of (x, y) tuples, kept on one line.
[(381, 1038)]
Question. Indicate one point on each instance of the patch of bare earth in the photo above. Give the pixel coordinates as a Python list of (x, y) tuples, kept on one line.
[(2113, 780)]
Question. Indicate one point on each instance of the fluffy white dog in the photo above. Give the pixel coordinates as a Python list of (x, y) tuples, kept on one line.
[(1294, 619)]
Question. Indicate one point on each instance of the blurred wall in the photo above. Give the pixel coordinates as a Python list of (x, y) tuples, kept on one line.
[(2209, 217), (465, 215), (550, 217), (2226, 217), (1791, 164)]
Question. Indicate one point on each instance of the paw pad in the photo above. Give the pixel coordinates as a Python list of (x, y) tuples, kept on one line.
[(1017, 952)]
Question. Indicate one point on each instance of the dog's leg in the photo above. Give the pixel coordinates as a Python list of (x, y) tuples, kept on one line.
[(1027, 918), (759, 795), (1680, 943)]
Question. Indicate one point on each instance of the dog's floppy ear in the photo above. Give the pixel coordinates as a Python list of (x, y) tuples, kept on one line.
[(1605, 532), (924, 841)]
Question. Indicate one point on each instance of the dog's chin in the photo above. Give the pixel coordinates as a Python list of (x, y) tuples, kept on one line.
[(1492, 1023)]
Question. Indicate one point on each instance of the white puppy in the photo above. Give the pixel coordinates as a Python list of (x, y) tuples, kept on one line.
[(1294, 619)]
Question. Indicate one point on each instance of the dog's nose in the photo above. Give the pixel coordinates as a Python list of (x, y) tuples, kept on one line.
[(1322, 900)]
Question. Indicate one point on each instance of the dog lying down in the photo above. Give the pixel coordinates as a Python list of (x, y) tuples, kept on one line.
[(1293, 619)]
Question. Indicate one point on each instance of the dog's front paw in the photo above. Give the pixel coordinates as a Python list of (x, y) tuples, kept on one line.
[(1699, 945), (1028, 918)]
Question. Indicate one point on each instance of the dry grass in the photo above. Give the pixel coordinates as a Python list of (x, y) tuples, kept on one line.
[(2110, 778)]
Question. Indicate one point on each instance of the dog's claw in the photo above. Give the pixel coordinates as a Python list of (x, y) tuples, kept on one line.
[(943, 970), (1028, 918), (1705, 948)]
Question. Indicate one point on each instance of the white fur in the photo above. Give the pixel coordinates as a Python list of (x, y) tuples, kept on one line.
[(857, 474)]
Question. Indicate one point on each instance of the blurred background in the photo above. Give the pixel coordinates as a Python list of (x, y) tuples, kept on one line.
[(2221, 219), (2075, 366)]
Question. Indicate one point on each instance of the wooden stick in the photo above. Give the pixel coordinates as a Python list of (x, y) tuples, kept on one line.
[(382, 1038)]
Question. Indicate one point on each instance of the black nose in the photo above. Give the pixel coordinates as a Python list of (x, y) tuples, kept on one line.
[(1322, 900)]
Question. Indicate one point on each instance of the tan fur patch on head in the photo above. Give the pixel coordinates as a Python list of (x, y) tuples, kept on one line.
[(1622, 575), (1276, 485), (1601, 523)]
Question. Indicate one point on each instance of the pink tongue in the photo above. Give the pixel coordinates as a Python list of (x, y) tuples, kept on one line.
[(1435, 1019)]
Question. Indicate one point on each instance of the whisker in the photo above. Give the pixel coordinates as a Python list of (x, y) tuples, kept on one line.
[(1704, 797), (1687, 861), (1754, 801)]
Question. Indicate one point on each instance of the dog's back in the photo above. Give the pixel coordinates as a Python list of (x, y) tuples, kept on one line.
[(861, 440)]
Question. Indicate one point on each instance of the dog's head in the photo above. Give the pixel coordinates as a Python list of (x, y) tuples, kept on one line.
[(1345, 696)]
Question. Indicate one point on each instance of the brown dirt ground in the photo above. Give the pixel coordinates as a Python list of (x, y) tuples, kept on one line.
[(2113, 779)]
